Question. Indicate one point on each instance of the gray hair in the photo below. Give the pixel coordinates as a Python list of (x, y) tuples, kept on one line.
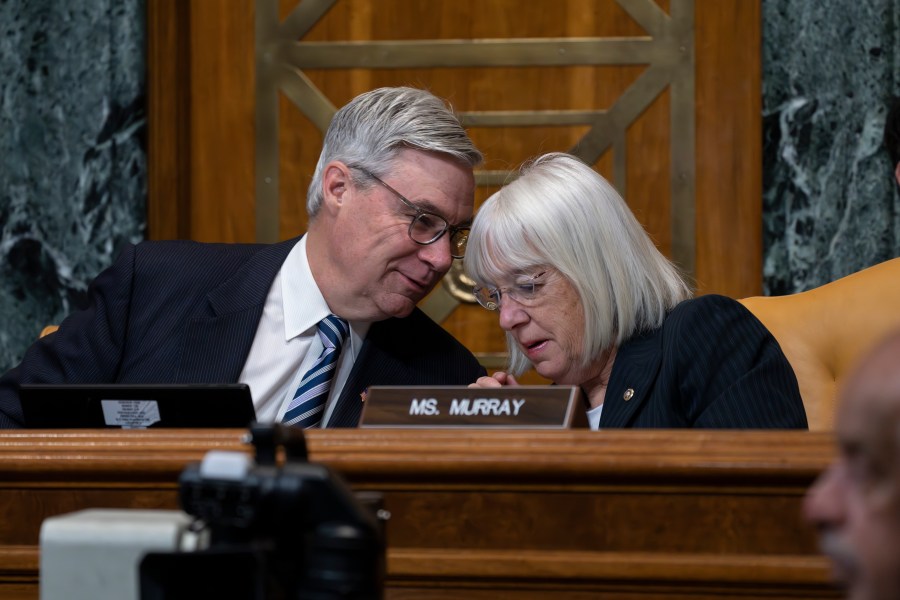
[(563, 214), (374, 127)]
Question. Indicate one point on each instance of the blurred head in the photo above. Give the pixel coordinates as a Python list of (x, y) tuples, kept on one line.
[(855, 503), (600, 279), (391, 156)]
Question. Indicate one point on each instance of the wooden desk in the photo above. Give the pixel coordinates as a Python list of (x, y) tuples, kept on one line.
[(489, 514)]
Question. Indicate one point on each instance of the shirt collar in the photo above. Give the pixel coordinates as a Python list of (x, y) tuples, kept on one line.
[(302, 301)]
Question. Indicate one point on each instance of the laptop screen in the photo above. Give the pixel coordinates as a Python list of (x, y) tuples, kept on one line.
[(128, 406)]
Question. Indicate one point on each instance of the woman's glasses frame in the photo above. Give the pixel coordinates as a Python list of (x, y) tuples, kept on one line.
[(522, 292)]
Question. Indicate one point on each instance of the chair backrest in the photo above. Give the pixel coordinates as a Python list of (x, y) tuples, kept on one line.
[(824, 331)]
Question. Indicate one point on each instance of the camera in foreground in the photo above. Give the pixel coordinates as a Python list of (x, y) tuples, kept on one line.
[(263, 529)]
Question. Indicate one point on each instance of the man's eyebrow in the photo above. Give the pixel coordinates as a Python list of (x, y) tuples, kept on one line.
[(428, 206)]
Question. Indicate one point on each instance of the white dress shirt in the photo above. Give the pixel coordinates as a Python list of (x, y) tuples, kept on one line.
[(287, 343)]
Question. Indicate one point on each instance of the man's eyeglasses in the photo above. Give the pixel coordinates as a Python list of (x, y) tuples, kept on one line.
[(521, 291), (427, 228)]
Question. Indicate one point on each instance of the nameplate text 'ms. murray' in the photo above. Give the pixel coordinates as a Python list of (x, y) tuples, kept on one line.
[(542, 407)]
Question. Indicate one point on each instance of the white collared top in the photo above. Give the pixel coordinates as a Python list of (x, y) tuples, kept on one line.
[(286, 344)]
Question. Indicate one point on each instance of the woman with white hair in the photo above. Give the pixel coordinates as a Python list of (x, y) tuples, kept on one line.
[(586, 299)]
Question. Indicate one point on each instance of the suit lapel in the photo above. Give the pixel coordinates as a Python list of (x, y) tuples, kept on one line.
[(217, 341), (375, 363), (634, 372)]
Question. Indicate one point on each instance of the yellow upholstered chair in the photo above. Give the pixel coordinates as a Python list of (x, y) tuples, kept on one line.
[(824, 331)]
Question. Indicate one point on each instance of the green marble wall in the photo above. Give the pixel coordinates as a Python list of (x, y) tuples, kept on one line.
[(72, 154), (831, 204)]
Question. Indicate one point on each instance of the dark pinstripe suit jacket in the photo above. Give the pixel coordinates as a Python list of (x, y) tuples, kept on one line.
[(186, 312), (711, 364)]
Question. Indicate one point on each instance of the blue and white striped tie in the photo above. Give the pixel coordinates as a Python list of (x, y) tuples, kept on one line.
[(306, 409)]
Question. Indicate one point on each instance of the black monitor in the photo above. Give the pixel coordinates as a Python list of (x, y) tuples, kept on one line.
[(136, 406)]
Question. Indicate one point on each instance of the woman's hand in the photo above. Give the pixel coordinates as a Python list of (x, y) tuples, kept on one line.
[(498, 379)]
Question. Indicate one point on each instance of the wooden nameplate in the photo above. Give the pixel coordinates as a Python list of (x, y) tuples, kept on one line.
[(515, 407)]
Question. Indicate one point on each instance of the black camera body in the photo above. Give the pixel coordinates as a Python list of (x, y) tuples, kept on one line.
[(272, 532)]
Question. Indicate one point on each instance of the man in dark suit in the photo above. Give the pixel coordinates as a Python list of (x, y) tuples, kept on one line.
[(309, 323), (855, 503)]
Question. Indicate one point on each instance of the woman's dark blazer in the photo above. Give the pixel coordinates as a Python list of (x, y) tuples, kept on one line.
[(711, 364)]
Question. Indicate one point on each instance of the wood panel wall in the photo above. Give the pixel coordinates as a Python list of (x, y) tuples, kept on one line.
[(202, 95)]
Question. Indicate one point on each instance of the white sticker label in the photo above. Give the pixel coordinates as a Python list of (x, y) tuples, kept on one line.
[(130, 414)]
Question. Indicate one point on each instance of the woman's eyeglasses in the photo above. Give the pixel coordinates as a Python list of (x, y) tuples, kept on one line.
[(521, 291)]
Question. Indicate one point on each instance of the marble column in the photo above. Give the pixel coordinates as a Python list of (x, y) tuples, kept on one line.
[(831, 204), (72, 154)]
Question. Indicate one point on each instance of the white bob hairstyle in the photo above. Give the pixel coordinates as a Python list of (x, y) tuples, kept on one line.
[(560, 213)]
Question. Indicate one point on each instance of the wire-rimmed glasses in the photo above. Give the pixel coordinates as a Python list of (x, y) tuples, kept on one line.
[(522, 291), (427, 228)]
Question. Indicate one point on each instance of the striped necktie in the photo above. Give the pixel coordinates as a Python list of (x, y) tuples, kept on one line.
[(308, 405)]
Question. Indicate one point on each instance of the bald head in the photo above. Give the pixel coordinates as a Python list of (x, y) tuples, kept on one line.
[(870, 400), (880, 363)]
